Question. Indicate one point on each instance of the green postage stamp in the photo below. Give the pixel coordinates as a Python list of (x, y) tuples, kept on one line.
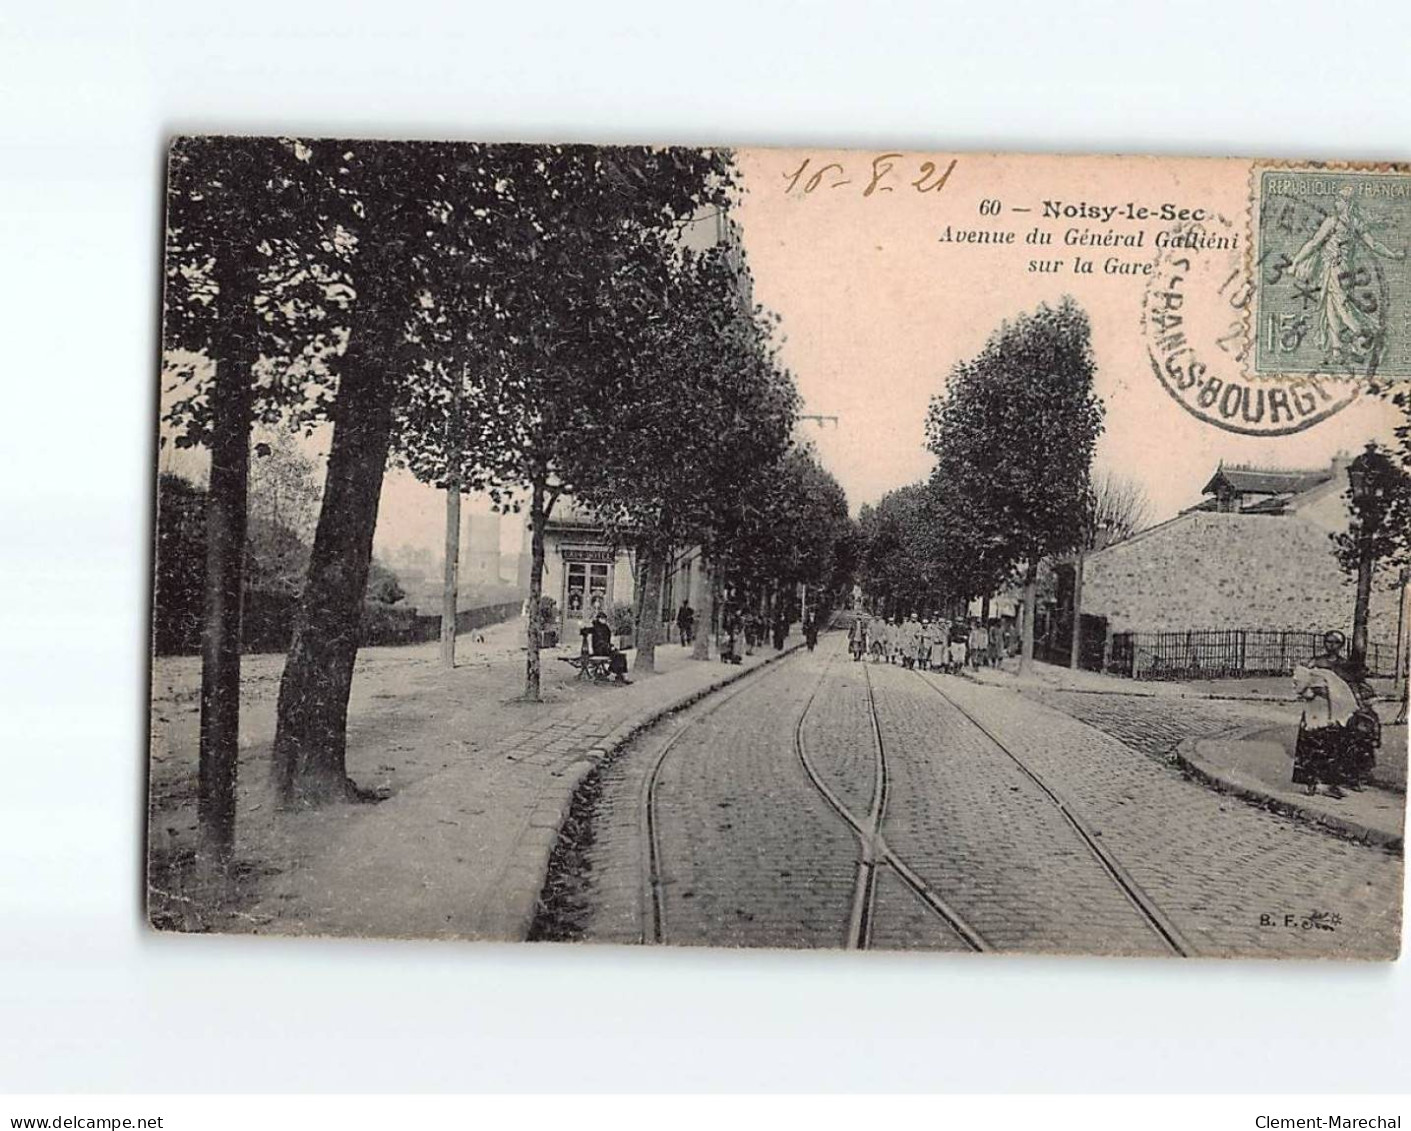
[(1332, 277)]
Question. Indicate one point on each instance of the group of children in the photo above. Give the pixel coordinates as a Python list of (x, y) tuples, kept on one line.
[(939, 645)]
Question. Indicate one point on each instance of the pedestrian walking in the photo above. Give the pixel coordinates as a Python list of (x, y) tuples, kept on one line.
[(731, 625), (996, 645), (959, 645), (686, 623), (979, 643), (940, 652), (925, 642), (857, 637), (810, 632), (876, 638), (907, 642)]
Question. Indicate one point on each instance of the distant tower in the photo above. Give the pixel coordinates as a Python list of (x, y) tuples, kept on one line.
[(480, 551)]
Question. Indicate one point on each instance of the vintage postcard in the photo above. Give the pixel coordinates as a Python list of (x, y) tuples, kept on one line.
[(782, 548)]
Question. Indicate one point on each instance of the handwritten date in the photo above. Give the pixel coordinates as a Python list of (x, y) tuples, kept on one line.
[(881, 175)]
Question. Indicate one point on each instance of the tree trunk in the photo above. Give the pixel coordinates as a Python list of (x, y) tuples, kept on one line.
[(1403, 652), (639, 590), (226, 509), (717, 613), (449, 585), (311, 734), (653, 563), (538, 517), (1031, 594), (704, 600), (1076, 644)]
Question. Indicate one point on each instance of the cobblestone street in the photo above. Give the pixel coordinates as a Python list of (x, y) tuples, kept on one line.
[(1004, 823), (1156, 725)]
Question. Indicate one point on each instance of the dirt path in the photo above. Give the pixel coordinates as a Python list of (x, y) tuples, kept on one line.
[(409, 718)]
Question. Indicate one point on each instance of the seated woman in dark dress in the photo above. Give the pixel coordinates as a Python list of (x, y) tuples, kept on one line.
[(1339, 732), (600, 644)]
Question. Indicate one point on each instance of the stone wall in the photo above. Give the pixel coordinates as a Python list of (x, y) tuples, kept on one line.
[(1205, 570)]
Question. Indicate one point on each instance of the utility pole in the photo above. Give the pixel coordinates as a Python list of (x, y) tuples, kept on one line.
[(1359, 477), (1076, 644), (1402, 658), (821, 420), (450, 582)]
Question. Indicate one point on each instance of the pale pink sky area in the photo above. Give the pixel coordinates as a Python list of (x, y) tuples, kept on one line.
[(876, 310)]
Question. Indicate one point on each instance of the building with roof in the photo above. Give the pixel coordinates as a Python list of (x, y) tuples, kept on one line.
[(1255, 555), (1260, 490), (584, 567)]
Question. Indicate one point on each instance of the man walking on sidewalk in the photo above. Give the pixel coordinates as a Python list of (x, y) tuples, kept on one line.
[(686, 623)]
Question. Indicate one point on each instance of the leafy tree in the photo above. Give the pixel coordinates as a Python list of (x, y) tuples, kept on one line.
[(901, 567), (284, 493), (1377, 533), (244, 338), (383, 585), (1013, 437), (340, 252), (398, 190), (276, 558), (179, 565), (578, 252), (703, 408), (452, 312), (791, 527)]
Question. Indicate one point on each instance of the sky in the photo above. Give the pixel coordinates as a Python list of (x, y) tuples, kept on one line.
[(876, 307), (877, 310)]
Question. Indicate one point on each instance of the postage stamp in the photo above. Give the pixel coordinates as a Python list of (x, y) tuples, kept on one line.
[(1332, 277)]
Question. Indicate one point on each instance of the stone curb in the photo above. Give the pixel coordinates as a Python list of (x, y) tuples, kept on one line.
[(1135, 690), (523, 877), (1188, 758)]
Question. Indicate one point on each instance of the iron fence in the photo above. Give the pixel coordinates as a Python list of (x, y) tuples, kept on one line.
[(1226, 653)]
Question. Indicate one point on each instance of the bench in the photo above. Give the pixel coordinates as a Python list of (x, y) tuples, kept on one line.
[(593, 668)]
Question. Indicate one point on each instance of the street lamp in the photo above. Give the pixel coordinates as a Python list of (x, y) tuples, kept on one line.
[(1360, 479)]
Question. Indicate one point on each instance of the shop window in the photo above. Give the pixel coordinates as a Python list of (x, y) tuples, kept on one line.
[(598, 585), (575, 589)]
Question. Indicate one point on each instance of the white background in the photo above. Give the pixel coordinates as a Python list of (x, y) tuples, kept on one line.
[(88, 92)]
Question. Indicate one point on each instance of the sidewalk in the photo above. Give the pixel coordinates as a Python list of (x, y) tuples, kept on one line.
[(1054, 677), (481, 783), (1267, 688), (1258, 767), (1253, 760)]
